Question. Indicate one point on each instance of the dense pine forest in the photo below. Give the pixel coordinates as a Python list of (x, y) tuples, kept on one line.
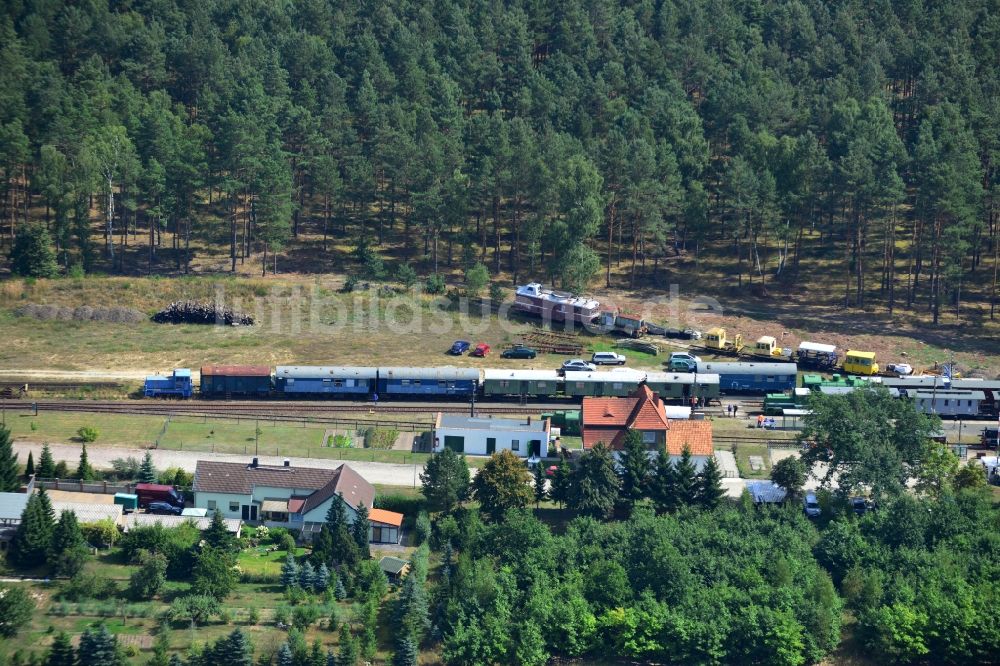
[(841, 143)]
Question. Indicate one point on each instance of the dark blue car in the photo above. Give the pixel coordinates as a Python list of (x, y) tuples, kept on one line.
[(460, 347)]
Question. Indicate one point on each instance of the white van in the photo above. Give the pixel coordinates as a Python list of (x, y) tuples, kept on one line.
[(607, 358)]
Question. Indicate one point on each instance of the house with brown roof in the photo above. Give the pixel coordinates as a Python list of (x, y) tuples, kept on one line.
[(608, 419), (279, 496)]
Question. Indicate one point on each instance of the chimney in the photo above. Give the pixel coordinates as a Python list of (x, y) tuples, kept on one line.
[(288, 463), (255, 463)]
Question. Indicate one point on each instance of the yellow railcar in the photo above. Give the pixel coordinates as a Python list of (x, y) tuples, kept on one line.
[(860, 363)]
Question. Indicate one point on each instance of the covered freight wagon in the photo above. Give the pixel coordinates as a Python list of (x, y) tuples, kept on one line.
[(532, 383), (621, 382), (683, 385), (752, 377), (446, 380), (324, 380), (223, 381)]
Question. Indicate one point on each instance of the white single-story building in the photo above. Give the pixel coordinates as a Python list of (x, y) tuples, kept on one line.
[(285, 496), (947, 402), (484, 435)]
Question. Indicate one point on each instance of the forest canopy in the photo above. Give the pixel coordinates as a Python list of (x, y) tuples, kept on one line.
[(542, 139)]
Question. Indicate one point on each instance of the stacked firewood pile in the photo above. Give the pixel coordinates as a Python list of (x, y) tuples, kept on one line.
[(194, 312)]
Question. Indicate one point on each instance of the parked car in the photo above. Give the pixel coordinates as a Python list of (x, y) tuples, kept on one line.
[(155, 492), (608, 358), (459, 348), (577, 365), (481, 350), (519, 351), (900, 369), (682, 334), (164, 508), (860, 505), (811, 505)]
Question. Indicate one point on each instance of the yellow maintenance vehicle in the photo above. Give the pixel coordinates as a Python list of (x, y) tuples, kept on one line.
[(767, 347), (860, 363), (716, 341)]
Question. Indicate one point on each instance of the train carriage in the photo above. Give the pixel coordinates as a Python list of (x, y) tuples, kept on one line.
[(990, 405), (683, 386), (529, 383), (735, 377), (948, 403), (324, 380), (443, 381), (614, 383), (219, 381)]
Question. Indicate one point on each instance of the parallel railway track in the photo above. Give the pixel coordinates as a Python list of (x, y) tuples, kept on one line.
[(267, 410)]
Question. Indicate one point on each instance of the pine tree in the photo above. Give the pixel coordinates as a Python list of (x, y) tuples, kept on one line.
[(316, 654), (539, 485), (339, 591), (322, 546), (10, 473), (175, 660), (238, 649), (67, 552), (147, 473), (407, 653), (663, 484), (336, 516), (29, 468), (32, 254), (307, 576), (347, 655), (710, 490), (633, 468), (687, 479), (161, 648), (290, 572), (595, 483), (562, 482), (84, 471), (61, 653), (46, 464), (217, 536), (322, 578), (331, 659), (360, 529), (99, 648), (285, 656), (33, 536)]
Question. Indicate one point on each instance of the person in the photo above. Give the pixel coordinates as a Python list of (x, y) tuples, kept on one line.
[(735, 408), (729, 410), (760, 420)]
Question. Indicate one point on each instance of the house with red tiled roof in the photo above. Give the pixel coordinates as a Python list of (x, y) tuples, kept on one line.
[(609, 419)]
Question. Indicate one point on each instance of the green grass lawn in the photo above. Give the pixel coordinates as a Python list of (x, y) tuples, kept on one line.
[(743, 453), (61, 427), (261, 562)]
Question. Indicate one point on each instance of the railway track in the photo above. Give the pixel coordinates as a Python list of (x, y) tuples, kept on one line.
[(267, 410)]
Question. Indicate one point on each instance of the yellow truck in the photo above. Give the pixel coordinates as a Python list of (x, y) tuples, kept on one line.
[(860, 363), (716, 341)]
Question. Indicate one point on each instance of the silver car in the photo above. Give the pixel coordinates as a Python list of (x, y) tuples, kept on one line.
[(811, 505), (578, 365)]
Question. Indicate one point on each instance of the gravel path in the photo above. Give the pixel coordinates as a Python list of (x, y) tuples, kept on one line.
[(389, 474)]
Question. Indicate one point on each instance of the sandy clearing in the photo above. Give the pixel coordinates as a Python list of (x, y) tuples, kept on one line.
[(94, 375)]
